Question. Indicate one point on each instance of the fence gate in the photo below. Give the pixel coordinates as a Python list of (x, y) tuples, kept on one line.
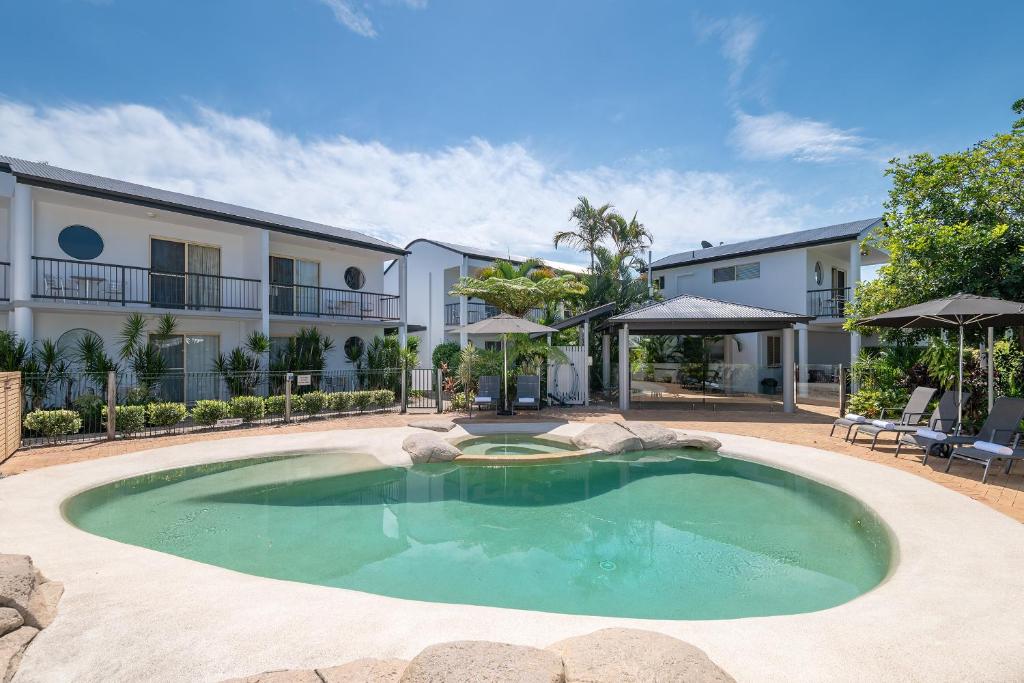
[(10, 404), (569, 383), (422, 390)]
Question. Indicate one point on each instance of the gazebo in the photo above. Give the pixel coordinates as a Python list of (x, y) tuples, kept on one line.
[(687, 314)]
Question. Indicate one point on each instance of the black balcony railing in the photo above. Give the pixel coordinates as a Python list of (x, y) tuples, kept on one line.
[(828, 303), (479, 311), (86, 281), (325, 302), (5, 294)]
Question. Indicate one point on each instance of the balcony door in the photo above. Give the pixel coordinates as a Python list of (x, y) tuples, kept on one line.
[(184, 275), (294, 286)]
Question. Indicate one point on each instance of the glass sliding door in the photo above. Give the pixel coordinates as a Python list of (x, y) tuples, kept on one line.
[(307, 293), (282, 285), (190, 375), (167, 273), (172, 384), (203, 280)]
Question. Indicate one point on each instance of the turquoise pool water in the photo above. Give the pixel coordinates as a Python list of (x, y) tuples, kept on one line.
[(647, 535), (513, 444)]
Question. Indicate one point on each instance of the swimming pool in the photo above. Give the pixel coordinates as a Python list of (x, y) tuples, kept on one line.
[(513, 444), (645, 535)]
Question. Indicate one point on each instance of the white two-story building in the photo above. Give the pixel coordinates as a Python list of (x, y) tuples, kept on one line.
[(80, 252), (433, 269), (809, 272)]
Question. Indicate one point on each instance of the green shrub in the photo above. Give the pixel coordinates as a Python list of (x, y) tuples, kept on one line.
[(869, 402), (314, 402), (274, 405), (362, 399), (139, 396), (382, 398), (446, 353), (207, 413), (53, 423), (90, 407), (459, 400), (248, 408), (165, 414), (127, 419), (341, 401)]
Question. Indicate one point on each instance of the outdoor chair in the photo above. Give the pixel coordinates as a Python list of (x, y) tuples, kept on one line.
[(985, 453), (913, 412), (527, 392), (941, 424), (999, 427), (488, 392), (945, 412)]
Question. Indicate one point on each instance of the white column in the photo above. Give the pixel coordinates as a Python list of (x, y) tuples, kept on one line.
[(606, 361), (788, 404), (854, 280), (801, 359), (585, 372), (624, 367), (403, 300), (464, 304), (991, 369), (21, 261)]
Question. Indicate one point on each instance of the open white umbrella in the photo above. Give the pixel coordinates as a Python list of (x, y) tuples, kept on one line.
[(505, 324), (958, 311)]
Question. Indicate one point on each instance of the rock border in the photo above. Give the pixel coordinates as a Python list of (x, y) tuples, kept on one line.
[(28, 604)]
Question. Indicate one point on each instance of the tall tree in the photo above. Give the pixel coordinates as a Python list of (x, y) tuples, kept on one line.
[(591, 227), (533, 269), (953, 223), (629, 237), (516, 296)]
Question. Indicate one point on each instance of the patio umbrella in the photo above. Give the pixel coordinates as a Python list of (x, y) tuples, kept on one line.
[(959, 311), (505, 324)]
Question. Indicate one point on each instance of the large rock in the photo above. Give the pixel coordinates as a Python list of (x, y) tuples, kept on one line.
[(12, 648), (610, 438), (292, 676), (17, 579), (651, 436), (42, 604), (706, 443), (10, 619), (361, 670), (474, 661), (438, 425), (626, 655), (429, 447)]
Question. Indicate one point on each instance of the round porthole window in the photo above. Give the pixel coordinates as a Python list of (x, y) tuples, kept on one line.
[(817, 273), (80, 242), (353, 348), (354, 278)]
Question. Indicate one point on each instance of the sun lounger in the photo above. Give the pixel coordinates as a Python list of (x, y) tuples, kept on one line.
[(999, 427), (985, 453), (527, 392), (913, 412), (488, 392), (946, 407), (941, 425)]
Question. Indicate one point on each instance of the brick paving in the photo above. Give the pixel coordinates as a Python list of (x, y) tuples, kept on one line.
[(807, 427)]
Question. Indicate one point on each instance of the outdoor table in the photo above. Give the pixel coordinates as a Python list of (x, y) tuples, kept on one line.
[(90, 282)]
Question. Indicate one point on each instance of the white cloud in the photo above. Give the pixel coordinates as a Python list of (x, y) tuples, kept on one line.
[(737, 37), (352, 16), (504, 197), (778, 135)]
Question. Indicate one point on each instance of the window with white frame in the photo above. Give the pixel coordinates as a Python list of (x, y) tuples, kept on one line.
[(743, 271), (774, 352)]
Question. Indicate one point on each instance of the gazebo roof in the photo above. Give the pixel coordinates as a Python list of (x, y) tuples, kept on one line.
[(690, 314)]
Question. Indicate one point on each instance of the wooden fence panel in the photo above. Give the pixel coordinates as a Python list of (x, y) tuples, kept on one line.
[(10, 408)]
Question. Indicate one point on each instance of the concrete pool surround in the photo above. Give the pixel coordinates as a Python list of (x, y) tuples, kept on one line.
[(129, 612)]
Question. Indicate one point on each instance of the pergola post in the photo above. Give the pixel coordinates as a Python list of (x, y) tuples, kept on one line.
[(788, 404), (624, 367), (606, 361), (801, 355)]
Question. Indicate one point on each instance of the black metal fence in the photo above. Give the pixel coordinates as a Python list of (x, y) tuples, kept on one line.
[(304, 300), (66, 406), (5, 293), (476, 311), (828, 303)]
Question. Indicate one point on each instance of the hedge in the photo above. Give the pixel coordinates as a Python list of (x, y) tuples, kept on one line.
[(314, 402), (275, 405), (53, 423), (165, 414), (207, 413), (248, 408), (128, 419)]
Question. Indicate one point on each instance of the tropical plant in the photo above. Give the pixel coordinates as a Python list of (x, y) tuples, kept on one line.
[(207, 412), (519, 295), (630, 238), (90, 353), (53, 423), (306, 351), (165, 414), (532, 269), (145, 357), (446, 354), (591, 228), (90, 407), (43, 369), (1008, 359), (241, 368), (13, 352)]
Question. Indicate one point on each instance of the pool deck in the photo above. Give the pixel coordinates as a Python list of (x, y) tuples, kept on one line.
[(950, 610)]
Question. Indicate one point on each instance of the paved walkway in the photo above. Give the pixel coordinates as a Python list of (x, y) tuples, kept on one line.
[(808, 427)]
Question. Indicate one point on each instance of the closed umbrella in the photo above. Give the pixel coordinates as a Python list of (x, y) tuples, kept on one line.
[(505, 324), (959, 311)]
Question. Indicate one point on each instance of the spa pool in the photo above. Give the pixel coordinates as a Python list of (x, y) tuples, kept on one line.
[(513, 444)]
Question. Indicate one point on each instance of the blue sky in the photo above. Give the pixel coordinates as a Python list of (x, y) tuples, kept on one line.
[(414, 118)]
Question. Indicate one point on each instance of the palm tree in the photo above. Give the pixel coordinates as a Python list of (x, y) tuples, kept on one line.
[(591, 228), (630, 237), (533, 269)]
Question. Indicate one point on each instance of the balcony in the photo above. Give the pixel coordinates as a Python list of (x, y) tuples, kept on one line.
[(5, 294), (828, 303), (325, 302), (117, 285), (477, 311)]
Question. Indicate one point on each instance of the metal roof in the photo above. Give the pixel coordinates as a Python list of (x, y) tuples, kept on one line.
[(840, 232), (487, 255), (53, 177), (690, 314)]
